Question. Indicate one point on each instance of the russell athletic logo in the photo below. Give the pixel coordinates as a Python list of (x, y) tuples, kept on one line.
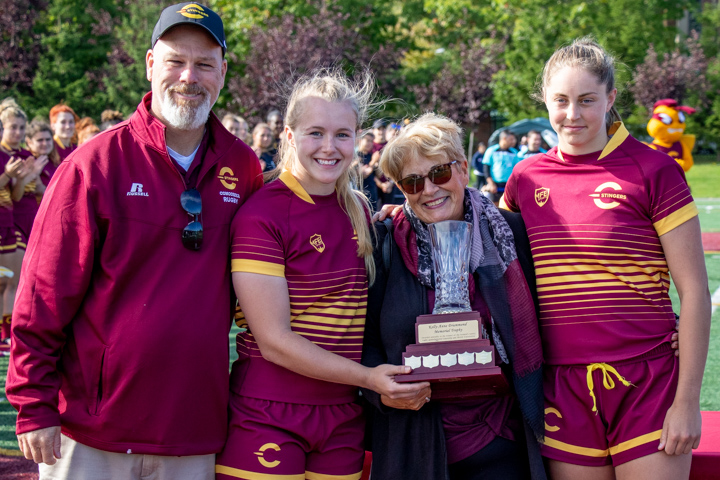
[(137, 191), (193, 10), (317, 243), (542, 195), (228, 178), (261, 452), (601, 197)]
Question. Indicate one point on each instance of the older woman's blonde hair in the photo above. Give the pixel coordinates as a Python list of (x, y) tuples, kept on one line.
[(431, 136)]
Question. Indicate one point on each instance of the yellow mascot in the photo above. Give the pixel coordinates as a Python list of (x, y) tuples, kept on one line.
[(667, 128)]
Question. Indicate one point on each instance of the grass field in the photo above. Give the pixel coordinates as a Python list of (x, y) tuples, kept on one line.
[(704, 177)]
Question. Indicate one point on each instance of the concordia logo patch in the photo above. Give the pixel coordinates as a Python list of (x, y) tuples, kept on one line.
[(193, 10), (228, 178), (600, 196), (542, 195), (317, 243), (136, 190), (261, 452)]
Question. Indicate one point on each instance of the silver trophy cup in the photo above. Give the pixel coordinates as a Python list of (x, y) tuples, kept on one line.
[(451, 259)]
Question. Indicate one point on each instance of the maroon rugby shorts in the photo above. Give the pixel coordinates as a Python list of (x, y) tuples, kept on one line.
[(608, 414)]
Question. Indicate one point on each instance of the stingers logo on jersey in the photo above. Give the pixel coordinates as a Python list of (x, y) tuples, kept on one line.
[(261, 453), (193, 11), (542, 195), (317, 242), (607, 200), (228, 178)]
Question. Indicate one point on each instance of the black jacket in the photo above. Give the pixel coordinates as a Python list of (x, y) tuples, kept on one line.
[(411, 444)]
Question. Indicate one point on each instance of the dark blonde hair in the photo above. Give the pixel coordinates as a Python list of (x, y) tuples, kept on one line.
[(10, 108), (39, 126), (587, 54), (431, 136), (332, 85)]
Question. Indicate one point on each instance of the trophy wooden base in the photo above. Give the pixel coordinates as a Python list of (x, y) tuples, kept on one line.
[(451, 356)]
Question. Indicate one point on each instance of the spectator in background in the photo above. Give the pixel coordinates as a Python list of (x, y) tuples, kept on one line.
[(14, 122), (277, 126), (110, 118), (237, 125), (379, 135), (86, 129), (39, 169), (498, 163), (62, 121), (533, 147), (388, 192), (262, 145), (87, 132), (10, 255), (366, 167), (477, 166)]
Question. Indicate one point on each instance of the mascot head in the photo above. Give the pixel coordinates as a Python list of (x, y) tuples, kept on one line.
[(668, 121)]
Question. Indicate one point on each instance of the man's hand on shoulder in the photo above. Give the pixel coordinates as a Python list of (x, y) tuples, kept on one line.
[(41, 446)]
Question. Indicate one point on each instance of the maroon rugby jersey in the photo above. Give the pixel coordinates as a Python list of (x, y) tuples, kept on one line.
[(6, 204), (594, 223), (309, 240), (62, 150)]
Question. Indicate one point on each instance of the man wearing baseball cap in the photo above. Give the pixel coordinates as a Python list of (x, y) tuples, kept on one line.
[(119, 362)]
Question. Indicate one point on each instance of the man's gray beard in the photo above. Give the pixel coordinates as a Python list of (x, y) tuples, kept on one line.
[(184, 117)]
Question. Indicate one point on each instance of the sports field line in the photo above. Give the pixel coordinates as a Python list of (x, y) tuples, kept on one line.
[(715, 301)]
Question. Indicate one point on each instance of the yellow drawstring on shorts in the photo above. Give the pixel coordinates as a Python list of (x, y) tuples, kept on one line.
[(607, 379)]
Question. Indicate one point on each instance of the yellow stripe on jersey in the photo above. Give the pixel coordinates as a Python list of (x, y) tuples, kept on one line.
[(594, 261), (247, 475), (566, 269), (676, 219), (600, 276), (255, 266), (617, 284), (322, 476), (330, 324), (362, 270), (583, 246), (291, 182)]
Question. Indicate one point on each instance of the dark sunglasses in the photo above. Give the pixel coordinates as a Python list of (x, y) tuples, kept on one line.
[(192, 235), (438, 175)]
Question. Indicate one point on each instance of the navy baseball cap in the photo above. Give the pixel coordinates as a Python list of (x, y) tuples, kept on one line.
[(192, 14)]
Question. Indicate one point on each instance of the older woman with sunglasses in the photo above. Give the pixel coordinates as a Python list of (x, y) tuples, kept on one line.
[(484, 437)]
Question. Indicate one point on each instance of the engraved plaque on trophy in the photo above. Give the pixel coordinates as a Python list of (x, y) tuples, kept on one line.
[(452, 349)]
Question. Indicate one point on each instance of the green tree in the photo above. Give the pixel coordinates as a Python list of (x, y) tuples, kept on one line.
[(536, 28), (76, 38), (125, 82)]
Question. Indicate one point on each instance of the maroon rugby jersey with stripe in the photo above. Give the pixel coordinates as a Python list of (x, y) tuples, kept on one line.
[(309, 240), (594, 223)]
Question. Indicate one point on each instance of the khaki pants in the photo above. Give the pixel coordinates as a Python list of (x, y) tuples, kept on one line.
[(80, 462)]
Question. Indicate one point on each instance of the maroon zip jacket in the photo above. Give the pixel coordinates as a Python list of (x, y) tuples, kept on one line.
[(120, 334)]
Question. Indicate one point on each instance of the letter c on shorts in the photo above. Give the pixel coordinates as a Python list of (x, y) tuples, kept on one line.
[(552, 428), (261, 451)]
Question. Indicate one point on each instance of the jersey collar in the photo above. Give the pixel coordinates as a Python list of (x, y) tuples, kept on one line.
[(291, 182), (618, 134)]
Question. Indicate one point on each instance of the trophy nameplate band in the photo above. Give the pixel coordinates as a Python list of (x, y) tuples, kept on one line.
[(448, 331)]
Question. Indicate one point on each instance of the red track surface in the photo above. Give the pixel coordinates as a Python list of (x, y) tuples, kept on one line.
[(711, 242), (18, 468)]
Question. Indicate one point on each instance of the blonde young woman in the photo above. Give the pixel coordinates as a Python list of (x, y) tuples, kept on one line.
[(17, 164), (609, 219), (301, 259)]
